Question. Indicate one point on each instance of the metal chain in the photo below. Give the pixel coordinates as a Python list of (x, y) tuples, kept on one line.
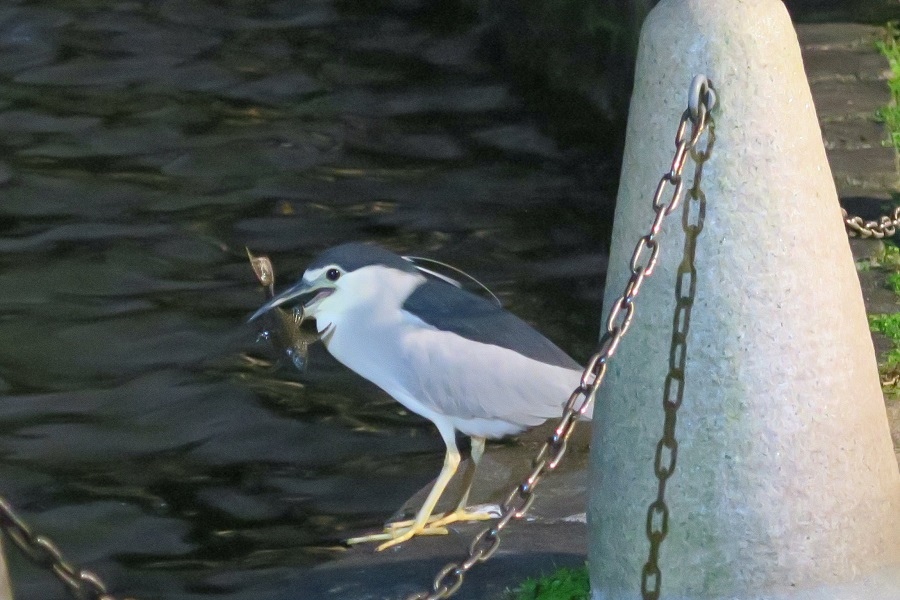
[(86, 585), (39, 549), (657, 523), (449, 579), (885, 226)]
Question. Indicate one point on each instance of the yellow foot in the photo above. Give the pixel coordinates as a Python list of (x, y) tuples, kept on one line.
[(409, 522), (485, 512), (397, 535), (464, 515)]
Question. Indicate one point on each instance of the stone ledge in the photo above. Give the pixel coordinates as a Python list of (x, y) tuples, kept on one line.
[(848, 79), (832, 36), (846, 66), (840, 100), (865, 168), (854, 134)]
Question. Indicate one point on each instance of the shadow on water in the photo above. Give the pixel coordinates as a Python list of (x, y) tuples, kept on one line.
[(143, 145)]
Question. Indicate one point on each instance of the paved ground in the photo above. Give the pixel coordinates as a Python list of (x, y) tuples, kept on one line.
[(554, 534), (847, 76)]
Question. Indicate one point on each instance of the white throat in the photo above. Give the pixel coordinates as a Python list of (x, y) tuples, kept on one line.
[(368, 294)]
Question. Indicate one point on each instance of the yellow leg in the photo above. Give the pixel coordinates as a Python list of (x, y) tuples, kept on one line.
[(460, 513), (420, 524), (477, 453)]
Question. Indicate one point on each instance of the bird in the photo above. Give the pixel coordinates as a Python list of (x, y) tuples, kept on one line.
[(445, 353)]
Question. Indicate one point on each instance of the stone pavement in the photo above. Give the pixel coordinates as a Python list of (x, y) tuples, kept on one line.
[(553, 535), (847, 76)]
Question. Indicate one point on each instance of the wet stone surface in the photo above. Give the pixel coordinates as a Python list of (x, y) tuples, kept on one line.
[(143, 145)]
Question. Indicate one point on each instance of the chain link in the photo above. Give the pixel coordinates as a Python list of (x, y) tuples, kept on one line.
[(885, 226), (81, 583), (694, 119), (86, 585)]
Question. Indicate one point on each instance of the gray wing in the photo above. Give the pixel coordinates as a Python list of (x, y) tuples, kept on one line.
[(452, 309)]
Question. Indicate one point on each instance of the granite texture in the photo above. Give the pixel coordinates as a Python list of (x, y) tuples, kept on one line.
[(787, 484)]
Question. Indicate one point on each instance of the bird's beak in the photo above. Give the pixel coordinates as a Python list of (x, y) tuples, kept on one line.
[(302, 288)]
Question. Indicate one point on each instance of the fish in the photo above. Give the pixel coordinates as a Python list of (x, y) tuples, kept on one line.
[(283, 327)]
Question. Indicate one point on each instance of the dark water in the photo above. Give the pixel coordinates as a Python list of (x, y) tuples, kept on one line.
[(143, 145)]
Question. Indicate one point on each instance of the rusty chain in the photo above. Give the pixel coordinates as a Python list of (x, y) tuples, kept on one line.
[(885, 226), (81, 583), (85, 584), (701, 100)]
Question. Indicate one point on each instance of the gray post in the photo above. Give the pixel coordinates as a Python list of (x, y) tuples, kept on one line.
[(786, 485)]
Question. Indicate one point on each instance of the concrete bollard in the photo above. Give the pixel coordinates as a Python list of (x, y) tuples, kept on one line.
[(5, 584), (786, 485)]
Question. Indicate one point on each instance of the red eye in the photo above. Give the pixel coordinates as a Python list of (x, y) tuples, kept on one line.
[(333, 274)]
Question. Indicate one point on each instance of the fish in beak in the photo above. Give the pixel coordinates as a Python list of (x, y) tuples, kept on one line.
[(321, 290), (282, 327)]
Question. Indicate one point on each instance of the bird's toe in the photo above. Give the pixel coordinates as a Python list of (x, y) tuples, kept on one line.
[(391, 536), (484, 513), (403, 535)]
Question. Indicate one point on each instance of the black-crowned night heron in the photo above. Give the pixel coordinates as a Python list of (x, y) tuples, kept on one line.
[(455, 358)]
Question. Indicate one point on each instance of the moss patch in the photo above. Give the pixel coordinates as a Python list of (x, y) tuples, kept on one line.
[(890, 114), (893, 282), (563, 584), (888, 325), (887, 265)]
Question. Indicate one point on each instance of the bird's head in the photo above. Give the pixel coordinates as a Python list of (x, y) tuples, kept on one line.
[(346, 278)]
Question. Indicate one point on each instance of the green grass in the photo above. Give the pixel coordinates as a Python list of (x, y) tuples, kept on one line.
[(889, 326), (890, 114), (563, 584), (890, 259), (893, 282)]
